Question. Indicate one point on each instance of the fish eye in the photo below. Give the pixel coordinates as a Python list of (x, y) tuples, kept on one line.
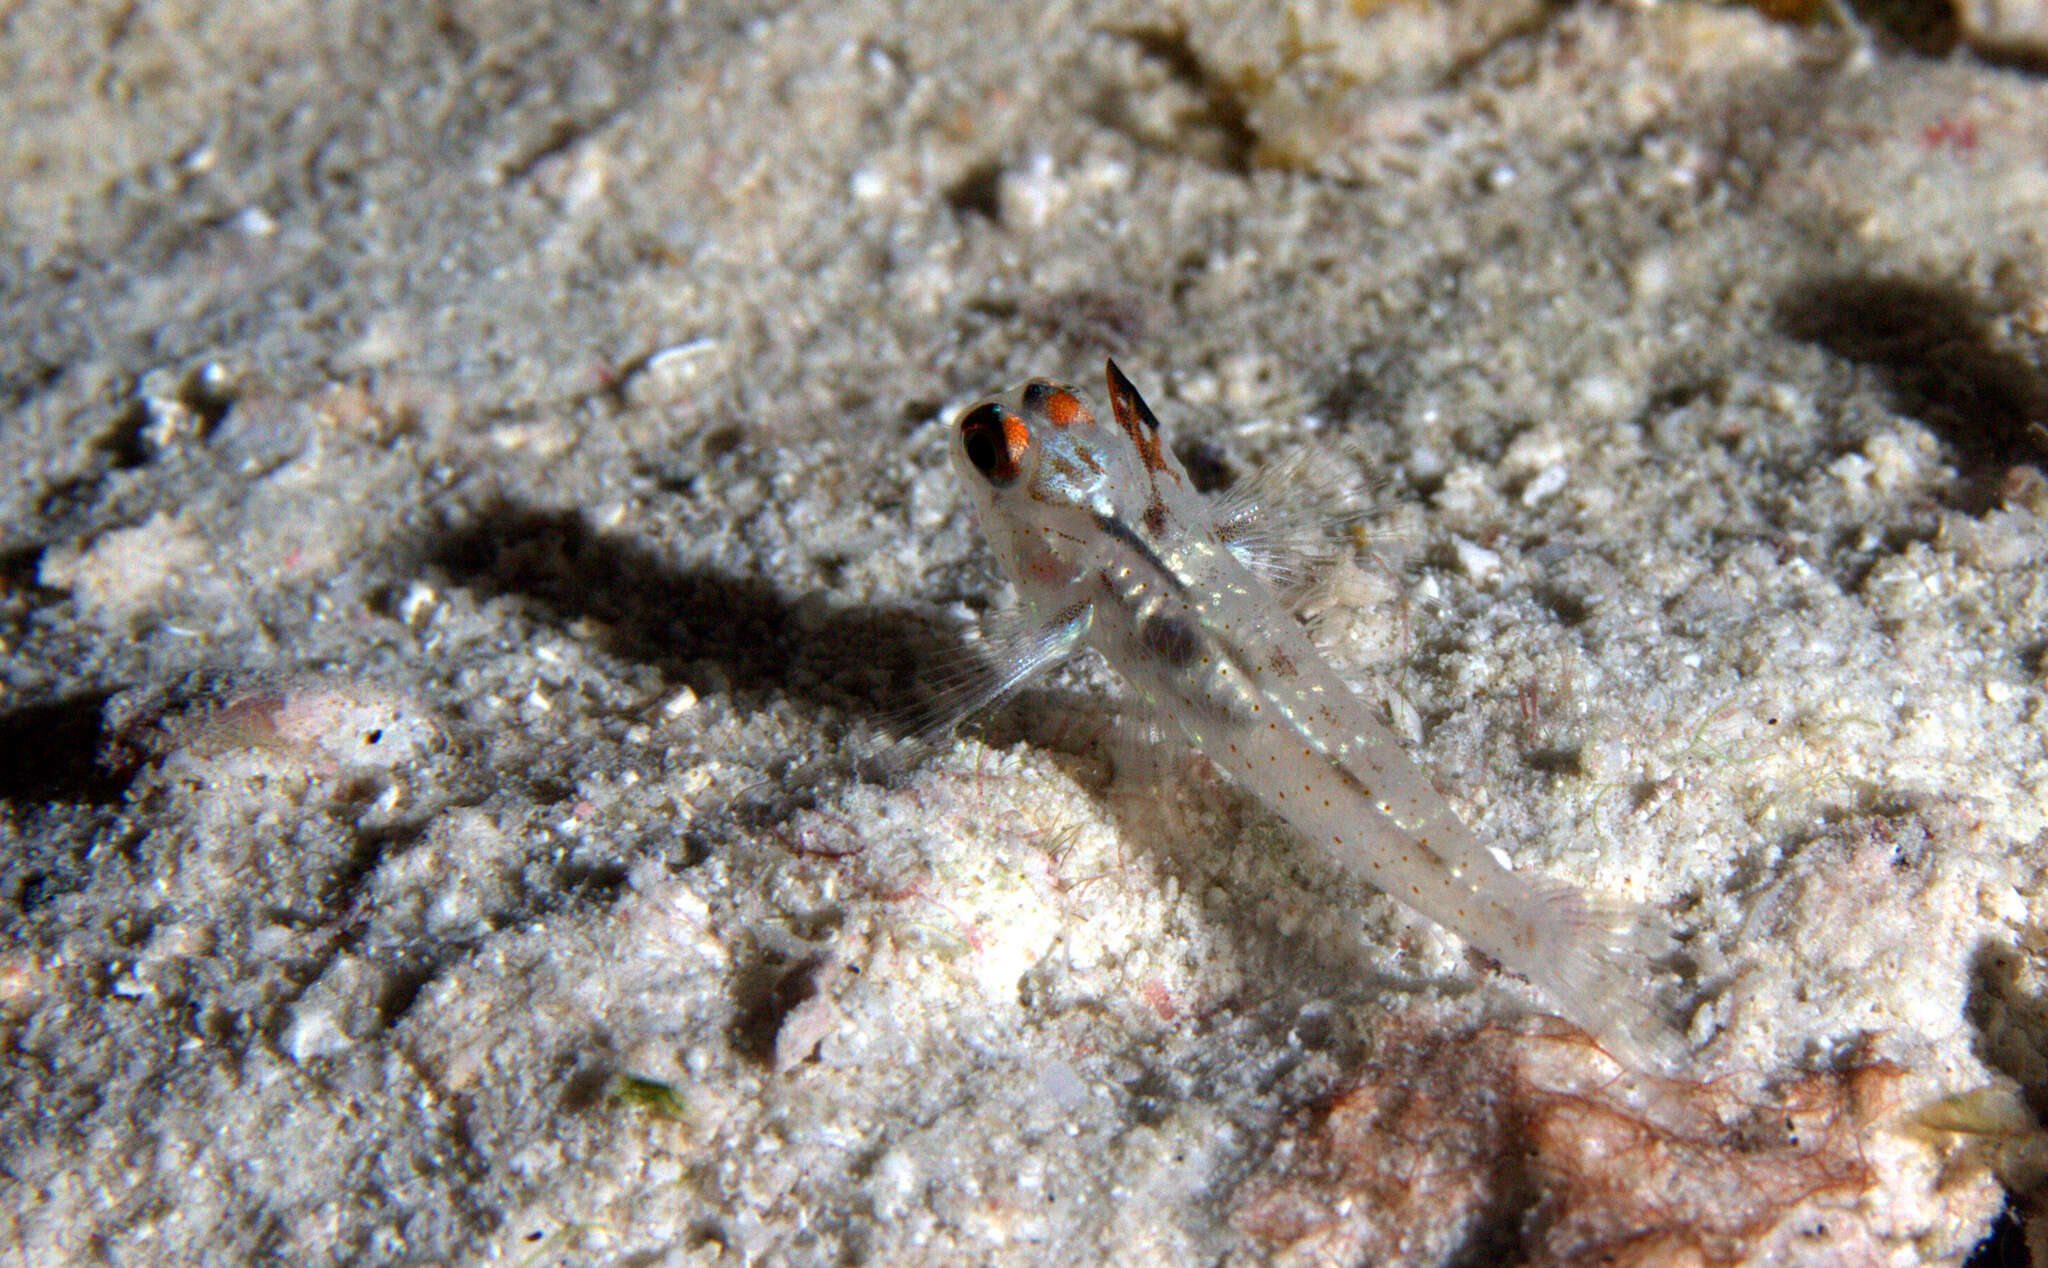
[(1057, 405), (995, 442)]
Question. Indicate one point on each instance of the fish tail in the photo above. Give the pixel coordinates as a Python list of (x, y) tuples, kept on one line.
[(1591, 958)]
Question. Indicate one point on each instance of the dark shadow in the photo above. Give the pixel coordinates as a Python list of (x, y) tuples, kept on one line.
[(767, 991), (405, 972), (2033, 60), (2012, 1020), (1208, 465), (123, 442), (21, 566), (2005, 1246), (1928, 28), (1217, 130), (1563, 761), (589, 1085), (978, 192), (1937, 354), (694, 625), (2034, 657), (1368, 386), (52, 752)]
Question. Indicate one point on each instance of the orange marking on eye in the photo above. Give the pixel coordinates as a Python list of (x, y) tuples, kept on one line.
[(1064, 409), (1016, 436)]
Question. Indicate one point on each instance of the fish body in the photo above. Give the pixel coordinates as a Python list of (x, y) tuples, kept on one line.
[(1111, 547)]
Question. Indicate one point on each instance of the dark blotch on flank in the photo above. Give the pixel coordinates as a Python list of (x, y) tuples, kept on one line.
[(1172, 638)]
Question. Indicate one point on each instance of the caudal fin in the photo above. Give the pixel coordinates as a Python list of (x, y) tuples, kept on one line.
[(1592, 961)]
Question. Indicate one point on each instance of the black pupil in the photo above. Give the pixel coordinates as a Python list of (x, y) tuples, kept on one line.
[(981, 449), (981, 432)]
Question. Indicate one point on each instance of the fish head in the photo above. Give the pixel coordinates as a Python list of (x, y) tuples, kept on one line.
[(1051, 480)]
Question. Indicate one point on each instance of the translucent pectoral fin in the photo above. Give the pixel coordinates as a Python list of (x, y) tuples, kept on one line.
[(1008, 655), (1011, 656)]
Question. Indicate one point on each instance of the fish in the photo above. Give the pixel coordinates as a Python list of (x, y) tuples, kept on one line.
[(1110, 547)]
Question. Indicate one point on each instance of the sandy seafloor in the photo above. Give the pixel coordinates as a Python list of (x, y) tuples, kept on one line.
[(473, 490)]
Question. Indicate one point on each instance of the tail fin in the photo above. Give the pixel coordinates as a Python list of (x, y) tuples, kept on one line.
[(1592, 960)]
